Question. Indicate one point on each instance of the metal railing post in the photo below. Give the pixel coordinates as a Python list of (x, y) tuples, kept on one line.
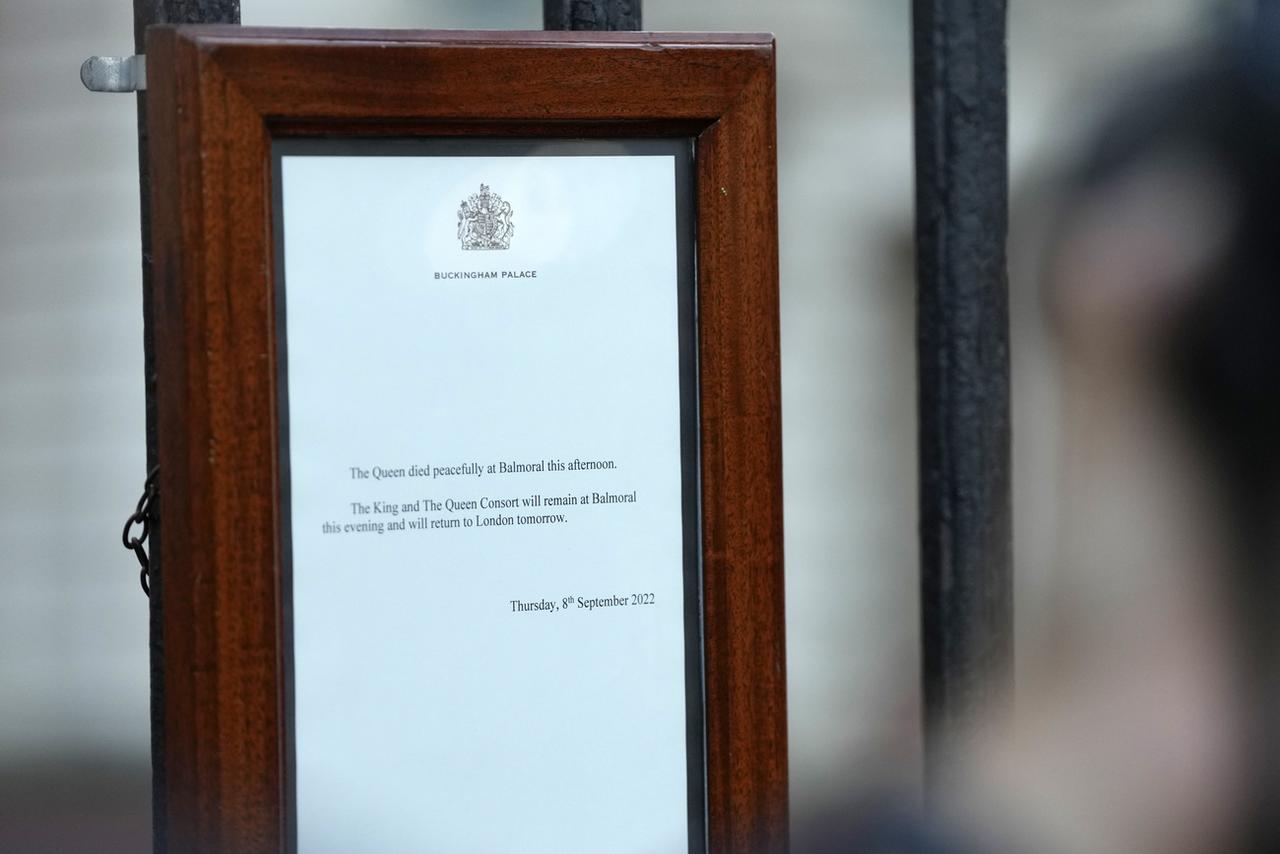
[(591, 14), (962, 340)]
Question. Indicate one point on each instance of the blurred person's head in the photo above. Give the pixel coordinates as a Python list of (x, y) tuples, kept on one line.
[(1164, 284), (1144, 723)]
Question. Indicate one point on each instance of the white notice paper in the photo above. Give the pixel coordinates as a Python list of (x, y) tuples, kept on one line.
[(485, 484)]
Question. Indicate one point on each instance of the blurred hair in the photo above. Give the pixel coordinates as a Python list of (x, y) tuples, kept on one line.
[(1220, 357)]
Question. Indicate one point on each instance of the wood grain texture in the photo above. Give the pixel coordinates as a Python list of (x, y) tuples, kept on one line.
[(145, 14), (218, 97)]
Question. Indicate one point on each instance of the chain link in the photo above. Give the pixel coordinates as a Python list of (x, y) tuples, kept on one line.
[(141, 518)]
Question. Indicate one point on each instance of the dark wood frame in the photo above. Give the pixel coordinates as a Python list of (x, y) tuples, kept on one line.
[(218, 97)]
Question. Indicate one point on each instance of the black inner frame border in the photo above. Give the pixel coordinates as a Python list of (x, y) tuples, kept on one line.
[(682, 149)]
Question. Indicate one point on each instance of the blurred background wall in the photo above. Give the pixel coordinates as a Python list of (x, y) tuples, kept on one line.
[(74, 771)]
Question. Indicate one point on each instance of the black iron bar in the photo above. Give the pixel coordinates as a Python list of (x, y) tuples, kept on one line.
[(962, 340), (591, 14)]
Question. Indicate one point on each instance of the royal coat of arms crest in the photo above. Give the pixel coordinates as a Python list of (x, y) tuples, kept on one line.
[(484, 221)]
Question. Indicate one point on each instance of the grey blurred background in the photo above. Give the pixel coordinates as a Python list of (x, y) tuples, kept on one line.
[(74, 772)]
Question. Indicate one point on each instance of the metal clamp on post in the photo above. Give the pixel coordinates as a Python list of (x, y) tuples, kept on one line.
[(114, 73)]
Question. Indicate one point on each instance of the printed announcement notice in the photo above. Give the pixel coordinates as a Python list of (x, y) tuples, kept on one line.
[(483, 434)]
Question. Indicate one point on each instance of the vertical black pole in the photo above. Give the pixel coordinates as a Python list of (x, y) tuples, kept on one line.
[(962, 340), (146, 13), (591, 14)]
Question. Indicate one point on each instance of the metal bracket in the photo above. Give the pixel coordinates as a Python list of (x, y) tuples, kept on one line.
[(114, 73)]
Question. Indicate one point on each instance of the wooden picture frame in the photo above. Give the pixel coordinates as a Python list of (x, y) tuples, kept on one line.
[(219, 98)]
